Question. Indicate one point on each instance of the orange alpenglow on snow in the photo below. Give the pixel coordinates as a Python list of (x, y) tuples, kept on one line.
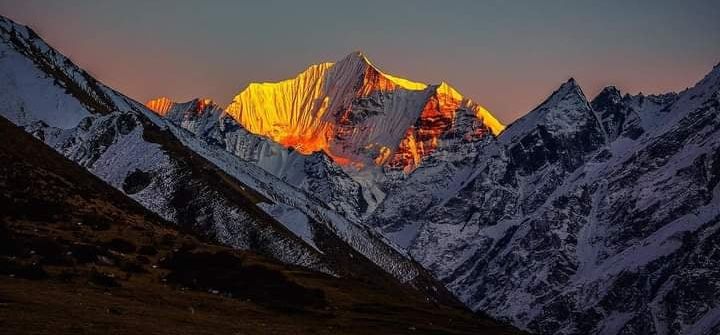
[(288, 112), (160, 105), (163, 105), (202, 104), (435, 120), (354, 112)]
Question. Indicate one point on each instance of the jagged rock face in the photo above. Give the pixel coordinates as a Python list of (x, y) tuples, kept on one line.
[(191, 182), (355, 113), (597, 218), (551, 141), (610, 108), (463, 152), (628, 116), (562, 129), (435, 121)]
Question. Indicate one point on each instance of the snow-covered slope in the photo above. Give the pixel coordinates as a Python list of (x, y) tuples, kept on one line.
[(591, 218), (314, 173), (129, 147), (194, 183)]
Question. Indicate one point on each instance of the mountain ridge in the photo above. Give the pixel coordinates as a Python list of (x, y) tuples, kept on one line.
[(586, 209), (77, 253)]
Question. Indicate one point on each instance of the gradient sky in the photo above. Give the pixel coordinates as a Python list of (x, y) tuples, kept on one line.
[(507, 55)]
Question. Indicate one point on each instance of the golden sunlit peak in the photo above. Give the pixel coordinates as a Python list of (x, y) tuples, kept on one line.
[(163, 105), (445, 88), (401, 82), (489, 120), (160, 105), (314, 112), (360, 54), (310, 71)]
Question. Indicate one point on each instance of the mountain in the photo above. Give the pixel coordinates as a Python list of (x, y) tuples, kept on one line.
[(597, 217), (189, 182), (351, 132), (78, 254), (355, 113)]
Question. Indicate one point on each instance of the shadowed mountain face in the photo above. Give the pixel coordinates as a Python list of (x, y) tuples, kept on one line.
[(80, 256), (597, 217)]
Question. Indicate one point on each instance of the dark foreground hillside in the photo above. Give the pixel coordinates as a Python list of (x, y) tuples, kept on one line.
[(77, 256)]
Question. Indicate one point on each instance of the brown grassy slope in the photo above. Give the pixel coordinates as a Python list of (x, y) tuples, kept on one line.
[(77, 256)]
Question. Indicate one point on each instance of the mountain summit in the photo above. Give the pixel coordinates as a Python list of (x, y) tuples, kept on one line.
[(355, 113)]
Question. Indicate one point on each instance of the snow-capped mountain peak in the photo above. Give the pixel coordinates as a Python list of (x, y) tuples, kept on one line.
[(354, 112), (565, 109), (610, 94), (357, 64)]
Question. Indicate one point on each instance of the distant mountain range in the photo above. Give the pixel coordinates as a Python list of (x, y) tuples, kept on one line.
[(582, 217)]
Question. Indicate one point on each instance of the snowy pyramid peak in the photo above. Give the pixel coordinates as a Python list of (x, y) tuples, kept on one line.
[(358, 57), (609, 94), (563, 111), (571, 86), (568, 95)]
